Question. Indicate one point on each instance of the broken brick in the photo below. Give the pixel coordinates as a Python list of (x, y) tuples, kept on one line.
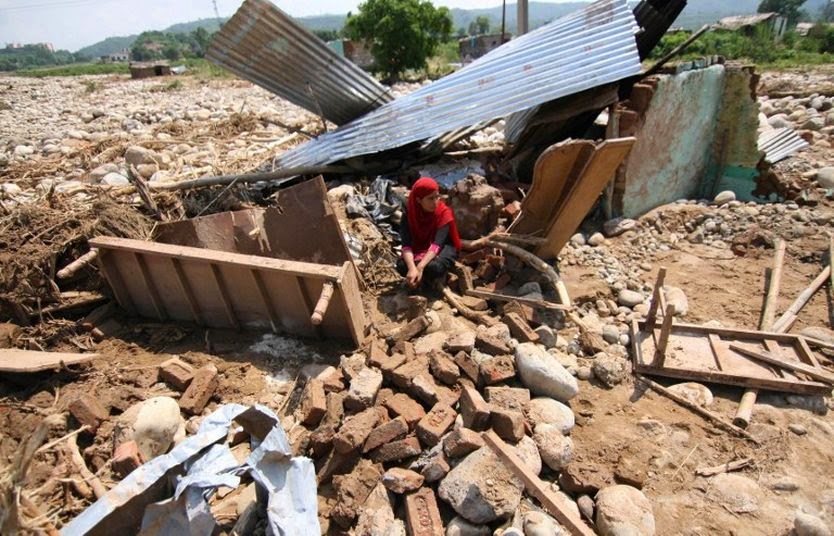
[(384, 394), (377, 353), (176, 373), (417, 306), (351, 366), (436, 468), (432, 427), (424, 388), (443, 368), (508, 424), (391, 363), (524, 311), (335, 409), (422, 514), (476, 304), (448, 396), (126, 458), (363, 389), (334, 382), (412, 329), (497, 369), (321, 440), (403, 405), (401, 480), (355, 430), (463, 341), (519, 328), (313, 403), (352, 490), (461, 442), (512, 398), (385, 433), (402, 375), (468, 365), (397, 450), (88, 411), (200, 390), (474, 410), (491, 345)]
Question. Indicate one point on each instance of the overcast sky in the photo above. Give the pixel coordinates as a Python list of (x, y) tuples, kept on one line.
[(72, 24)]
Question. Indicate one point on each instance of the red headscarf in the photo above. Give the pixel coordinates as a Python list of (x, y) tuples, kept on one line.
[(424, 225)]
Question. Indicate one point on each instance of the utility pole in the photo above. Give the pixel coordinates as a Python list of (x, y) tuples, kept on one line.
[(523, 17), (503, 19)]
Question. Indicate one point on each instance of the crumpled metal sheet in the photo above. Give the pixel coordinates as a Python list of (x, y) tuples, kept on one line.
[(199, 465), (588, 48), (266, 46), (780, 143)]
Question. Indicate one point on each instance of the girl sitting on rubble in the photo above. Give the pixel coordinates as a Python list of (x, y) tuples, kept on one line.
[(430, 238)]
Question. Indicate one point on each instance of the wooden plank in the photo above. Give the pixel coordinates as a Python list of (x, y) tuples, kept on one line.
[(555, 505), (718, 350), (737, 333), (486, 295), (304, 269), (803, 298), (150, 286), (556, 168), (224, 296), (308, 305), (187, 292), (584, 193), (348, 293), (769, 358), (656, 292), (769, 310), (266, 300), (805, 353), (14, 360), (665, 330), (114, 279)]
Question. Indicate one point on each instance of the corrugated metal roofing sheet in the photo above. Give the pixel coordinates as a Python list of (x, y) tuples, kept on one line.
[(266, 46), (588, 48), (780, 143)]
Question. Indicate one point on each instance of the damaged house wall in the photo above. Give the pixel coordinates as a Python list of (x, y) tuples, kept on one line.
[(694, 137)]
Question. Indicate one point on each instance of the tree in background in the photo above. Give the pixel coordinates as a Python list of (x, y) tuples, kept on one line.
[(402, 34), (479, 26), (201, 38), (327, 35), (787, 8), (827, 13)]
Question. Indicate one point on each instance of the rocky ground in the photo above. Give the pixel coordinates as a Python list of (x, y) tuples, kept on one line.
[(625, 457)]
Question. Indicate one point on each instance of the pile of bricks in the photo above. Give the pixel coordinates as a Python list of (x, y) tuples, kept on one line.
[(391, 416)]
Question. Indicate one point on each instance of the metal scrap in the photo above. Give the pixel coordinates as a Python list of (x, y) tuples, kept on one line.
[(780, 143)]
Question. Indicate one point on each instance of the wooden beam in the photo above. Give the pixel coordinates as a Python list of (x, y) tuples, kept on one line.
[(656, 292), (803, 298), (805, 353), (308, 305), (734, 332), (486, 295), (224, 296), (266, 300), (187, 292), (663, 341), (14, 360), (114, 278), (769, 358), (555, 505), (322, 304), (156, 301)]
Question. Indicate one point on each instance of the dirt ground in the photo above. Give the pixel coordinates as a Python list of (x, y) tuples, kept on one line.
[(623, 433)]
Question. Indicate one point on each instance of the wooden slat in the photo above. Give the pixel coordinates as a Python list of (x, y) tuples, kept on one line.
[(656, 292), (665, 331), (114, 279), (187, 292), (584, 194), (769, 358), (266, 300), (224, 296), (308, 304), (14, 360), (486, 295), (805, 353), (555, 505), (150, 286), (717, 350), (738, 333), (803, 298)]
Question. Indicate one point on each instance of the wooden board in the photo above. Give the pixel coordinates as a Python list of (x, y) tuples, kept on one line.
[(13, 360), (575, 205), (700, 353), (230, 290), (557, 167)]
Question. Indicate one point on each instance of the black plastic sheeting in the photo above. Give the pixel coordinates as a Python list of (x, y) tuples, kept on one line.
[(378, 205)]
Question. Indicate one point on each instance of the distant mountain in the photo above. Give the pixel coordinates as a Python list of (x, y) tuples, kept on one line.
[(696, 14)]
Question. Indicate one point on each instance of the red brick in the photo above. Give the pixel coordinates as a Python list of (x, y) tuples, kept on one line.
[(363, 389), (126, 458), (355, 430), (321, 440), (403, 405), (508, 424), (401, 480), (334, 382), (476, 304), (497, 369), (512, 209), (468, 366), (443, 368), (461, 442), (424, 388), (474, 410), (176, 373), (412, 329), (351, 366), (352, 490), (335, 409), (88, 411), (436, 468), (385, 433), (513, 398), (432, 427), (463, 341), (377, 353), (402, 375), (524, 311), (397, 450), (448, 396), (502, 281), (491, 345), (422, 514), (202, 387), (313, 403), (519, 328)]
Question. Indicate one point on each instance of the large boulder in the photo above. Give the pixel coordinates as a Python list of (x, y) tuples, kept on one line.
[(545, 410), (543, 374), (624, 511), (481, 488)]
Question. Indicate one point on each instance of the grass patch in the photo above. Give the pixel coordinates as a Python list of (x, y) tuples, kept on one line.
[(75, 69), (164, 88), (202, 68)]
